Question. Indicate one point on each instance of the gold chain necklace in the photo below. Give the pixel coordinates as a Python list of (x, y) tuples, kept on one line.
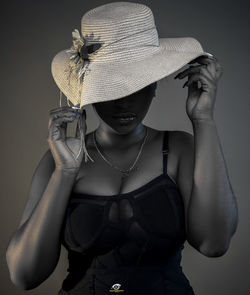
[(127, 171)]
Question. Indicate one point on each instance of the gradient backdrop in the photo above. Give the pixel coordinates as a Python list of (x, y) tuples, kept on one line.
[(32, 32)]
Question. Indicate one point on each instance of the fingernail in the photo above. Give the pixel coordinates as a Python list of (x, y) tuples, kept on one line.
[(208, 54), (185, 84), (176, 76)]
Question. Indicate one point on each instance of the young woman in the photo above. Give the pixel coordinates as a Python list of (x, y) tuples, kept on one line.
[(125, 215)]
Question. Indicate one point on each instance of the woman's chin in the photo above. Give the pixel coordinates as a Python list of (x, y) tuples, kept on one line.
[(124, 127)]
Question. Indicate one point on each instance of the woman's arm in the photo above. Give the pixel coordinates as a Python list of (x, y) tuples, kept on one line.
[(211, 210), (34, 249), (211, 213)]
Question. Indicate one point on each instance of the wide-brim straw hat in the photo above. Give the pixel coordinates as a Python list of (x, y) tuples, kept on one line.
[(118, 53)]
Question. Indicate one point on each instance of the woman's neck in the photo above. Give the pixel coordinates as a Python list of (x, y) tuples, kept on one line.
[(109, 139)]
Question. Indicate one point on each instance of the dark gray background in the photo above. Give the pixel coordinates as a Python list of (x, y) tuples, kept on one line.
[(34, 31)]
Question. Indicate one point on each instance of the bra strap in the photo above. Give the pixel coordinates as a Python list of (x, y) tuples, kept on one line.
[(165, 150)]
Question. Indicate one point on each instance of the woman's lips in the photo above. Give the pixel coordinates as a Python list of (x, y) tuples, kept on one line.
[(125, 117)]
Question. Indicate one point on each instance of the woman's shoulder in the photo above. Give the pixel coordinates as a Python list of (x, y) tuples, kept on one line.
[(180, 137), (176, 138), (180, 143)]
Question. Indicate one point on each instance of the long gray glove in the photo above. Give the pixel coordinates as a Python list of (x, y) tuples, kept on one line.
[(67, 152)]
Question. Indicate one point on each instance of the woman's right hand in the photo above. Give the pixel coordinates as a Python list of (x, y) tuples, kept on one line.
[(67, 152)]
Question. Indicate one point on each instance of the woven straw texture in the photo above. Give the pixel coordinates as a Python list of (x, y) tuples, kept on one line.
[(131, 57)]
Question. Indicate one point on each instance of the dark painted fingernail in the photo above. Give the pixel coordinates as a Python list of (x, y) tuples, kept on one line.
[(185, 84), (177, 76)]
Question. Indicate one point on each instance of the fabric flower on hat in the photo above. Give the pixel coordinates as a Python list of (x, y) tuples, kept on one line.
[(79, 54)]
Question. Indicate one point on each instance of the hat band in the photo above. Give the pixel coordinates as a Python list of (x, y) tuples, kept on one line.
[(129, 48)]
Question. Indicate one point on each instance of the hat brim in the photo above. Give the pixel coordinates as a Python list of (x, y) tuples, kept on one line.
[(114, 80)]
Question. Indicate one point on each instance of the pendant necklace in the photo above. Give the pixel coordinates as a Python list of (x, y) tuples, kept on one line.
[(125, 172)]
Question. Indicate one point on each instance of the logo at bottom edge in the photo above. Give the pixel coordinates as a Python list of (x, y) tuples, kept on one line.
[(116, 288)]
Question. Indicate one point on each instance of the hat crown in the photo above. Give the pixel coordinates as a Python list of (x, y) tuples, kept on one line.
[(119, 26)]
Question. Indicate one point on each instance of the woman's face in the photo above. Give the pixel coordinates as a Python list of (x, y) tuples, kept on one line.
[(124, 114)]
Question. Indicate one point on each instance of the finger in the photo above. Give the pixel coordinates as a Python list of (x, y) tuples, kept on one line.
[(212, 65), (193, 87), (203, 59), (61, 109), (219, 70), (58, 126), (59, 118), (57, 130), (63, 112), (63, 130), (206, 83), (195, 69), (210, 61)]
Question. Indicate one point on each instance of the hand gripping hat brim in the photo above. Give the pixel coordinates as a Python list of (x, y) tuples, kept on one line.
[(130, 56)]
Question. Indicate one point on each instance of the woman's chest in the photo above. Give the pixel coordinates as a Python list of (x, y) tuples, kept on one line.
[(101, 178)]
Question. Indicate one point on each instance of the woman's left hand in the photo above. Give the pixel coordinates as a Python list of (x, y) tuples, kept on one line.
[(200, 101)]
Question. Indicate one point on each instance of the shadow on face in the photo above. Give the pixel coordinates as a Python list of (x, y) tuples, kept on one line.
[(125, 113)]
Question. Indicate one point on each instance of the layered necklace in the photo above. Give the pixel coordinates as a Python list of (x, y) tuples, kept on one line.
[(125, 172)]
